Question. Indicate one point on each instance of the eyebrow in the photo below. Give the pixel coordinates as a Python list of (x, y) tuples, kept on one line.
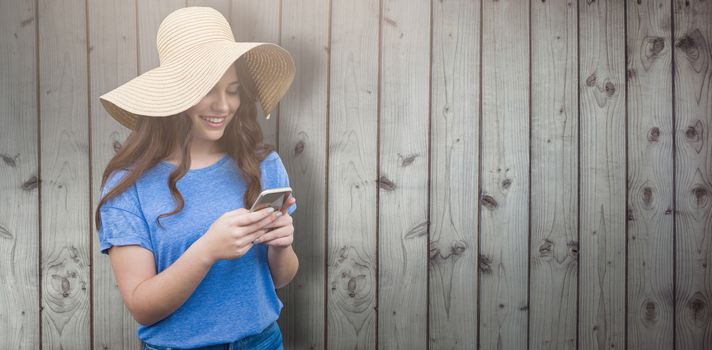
[(234, 82)]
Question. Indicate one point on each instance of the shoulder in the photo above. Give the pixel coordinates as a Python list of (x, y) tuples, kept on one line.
[(127, 199), (271, 161), (116, 176), (114, 179), (271, 157), (274, 173)]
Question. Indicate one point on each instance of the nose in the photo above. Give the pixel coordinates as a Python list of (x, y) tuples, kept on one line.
[(220, 104)]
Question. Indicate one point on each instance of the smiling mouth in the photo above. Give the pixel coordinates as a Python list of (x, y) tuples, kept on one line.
[(215, 122)]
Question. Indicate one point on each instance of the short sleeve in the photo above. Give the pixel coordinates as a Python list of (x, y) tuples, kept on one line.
[(121, 220), (120, 227), (274, 175)]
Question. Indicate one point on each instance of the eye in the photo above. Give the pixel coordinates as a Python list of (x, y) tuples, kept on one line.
[(236, 91)]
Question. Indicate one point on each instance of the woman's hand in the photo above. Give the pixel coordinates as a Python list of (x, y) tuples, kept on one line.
[(280, 232), (232, 234)]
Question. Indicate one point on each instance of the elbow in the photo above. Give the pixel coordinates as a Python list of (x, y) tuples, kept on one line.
[(138, 315), (146, 323), (143, 318), (141, 321), (139, 312)]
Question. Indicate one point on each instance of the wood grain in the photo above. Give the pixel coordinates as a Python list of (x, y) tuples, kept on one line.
[(403, 176), (223, 6), (64, 162), (693, 173), (490, 174), (113, 61), (504, 236), (650, 176), (353, 159), (453, 244), (19, 178), (602, 207), (303, 149), (150, 15), (554, 175)]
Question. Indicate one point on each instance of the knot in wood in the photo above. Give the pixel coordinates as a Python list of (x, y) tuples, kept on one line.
[(655, 45), (385, 184), (545, 248), (610, 89), (485, 264), (691, 132), (489, 202), (299, 147), (647, 195), (654, 134)]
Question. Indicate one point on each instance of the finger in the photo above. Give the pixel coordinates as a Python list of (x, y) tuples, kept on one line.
[(291, 200), (269, 219), (282, 220), (258, 238), (268, 236), (256, 234), (254, 217), (263, 223), (274, 234), (281, 242), (250, 238)]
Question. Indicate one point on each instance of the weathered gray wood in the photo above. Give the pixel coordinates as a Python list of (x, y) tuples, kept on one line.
[(403, 178), (353, 147), (19, 178), (258, 21), (150, 15), (554, 175), (505, 170), (602, 170), (650, 176), (112, 58), (303, 149), (454, 161), (363, 276), (64, 158), (221, 5), (693, 173)]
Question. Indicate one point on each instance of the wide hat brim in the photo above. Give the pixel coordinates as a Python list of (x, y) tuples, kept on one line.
[(181, 83)]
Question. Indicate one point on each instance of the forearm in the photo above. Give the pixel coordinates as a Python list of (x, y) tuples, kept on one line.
[(283, 265), (158, 297)]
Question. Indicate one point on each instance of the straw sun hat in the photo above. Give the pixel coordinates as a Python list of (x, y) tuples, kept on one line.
[(196, 47)]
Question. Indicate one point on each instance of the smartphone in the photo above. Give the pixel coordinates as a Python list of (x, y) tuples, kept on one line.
[(273, 197)]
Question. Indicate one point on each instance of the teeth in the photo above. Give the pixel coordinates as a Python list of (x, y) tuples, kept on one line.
[(214, 120)]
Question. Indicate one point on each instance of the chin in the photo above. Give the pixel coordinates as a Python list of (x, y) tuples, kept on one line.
[(215, 135), (212, 135)]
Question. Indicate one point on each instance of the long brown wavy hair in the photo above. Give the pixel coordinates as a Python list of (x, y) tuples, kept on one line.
[(155, 138)]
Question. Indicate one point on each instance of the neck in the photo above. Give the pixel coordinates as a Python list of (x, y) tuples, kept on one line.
[(198, 150)]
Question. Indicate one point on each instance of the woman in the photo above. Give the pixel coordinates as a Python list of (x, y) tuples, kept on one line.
[(194, 267)]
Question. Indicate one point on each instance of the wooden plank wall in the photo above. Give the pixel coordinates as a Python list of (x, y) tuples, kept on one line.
[(471, 174), (602, 174), (554, 155)]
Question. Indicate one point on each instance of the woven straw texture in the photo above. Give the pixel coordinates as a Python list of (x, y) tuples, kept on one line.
[(195, 48)]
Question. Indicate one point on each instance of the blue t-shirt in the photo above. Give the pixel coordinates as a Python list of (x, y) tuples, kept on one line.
[(237, 297)]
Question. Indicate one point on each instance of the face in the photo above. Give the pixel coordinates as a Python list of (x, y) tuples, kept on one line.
[(214, 112)]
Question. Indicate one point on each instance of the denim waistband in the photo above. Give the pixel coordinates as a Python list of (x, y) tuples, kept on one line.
[(269, 339)]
